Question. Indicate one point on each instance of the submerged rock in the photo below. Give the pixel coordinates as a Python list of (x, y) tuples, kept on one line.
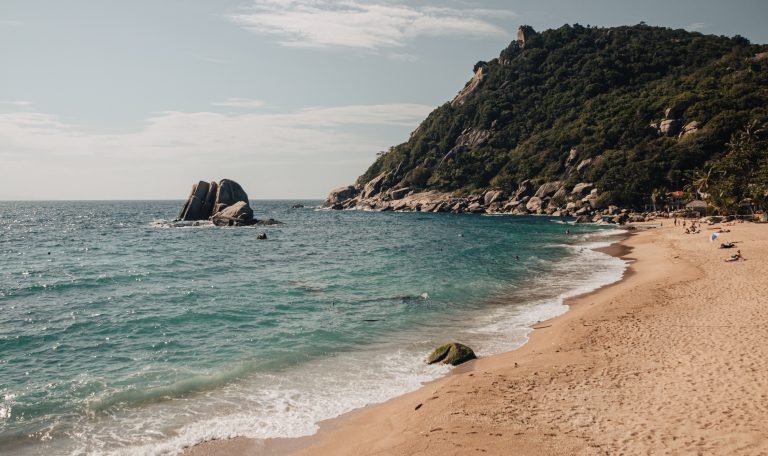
[(453, 353), (269, 222)]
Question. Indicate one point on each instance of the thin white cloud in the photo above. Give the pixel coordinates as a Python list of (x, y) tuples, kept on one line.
[(16, 103), (357, 24), (243, 103), (696, 26), (175, 133), (10, 23), (304, 152)]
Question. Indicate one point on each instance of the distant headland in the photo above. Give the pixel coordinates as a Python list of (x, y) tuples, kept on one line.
[(588, 122)]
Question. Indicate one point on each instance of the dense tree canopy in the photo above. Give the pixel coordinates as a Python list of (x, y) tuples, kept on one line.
[(604, 93)]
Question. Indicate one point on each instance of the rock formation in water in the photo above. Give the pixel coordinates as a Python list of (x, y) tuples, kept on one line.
[(224, 203)]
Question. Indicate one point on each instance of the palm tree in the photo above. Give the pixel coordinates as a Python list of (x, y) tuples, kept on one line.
[(702, 180), (656, 195)]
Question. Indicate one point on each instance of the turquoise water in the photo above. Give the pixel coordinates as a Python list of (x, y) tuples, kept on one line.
[(121, 333)]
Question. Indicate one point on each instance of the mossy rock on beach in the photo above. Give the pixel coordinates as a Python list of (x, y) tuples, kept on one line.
[(453, 354)]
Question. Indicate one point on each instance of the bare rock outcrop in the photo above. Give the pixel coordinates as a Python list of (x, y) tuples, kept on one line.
[(584, 164), (547, 189), (492, 196), (670, 127), (473, 137), (481, 71), (534, 204), (690, 128), (524, 33), (373, 187), (339, 195), (399, 193), (524, 189), (572, 155), (582, 189)]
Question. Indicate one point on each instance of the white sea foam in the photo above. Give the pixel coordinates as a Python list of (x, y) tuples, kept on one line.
[(290, 403), (161, 223), (586, 270)]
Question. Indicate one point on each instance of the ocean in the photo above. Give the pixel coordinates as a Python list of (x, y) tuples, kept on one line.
[(122, 333)]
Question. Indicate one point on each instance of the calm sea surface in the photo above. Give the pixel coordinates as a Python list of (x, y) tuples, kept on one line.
[(120, 333)]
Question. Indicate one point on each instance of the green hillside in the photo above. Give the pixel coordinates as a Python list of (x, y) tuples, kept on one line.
[(636, 110)]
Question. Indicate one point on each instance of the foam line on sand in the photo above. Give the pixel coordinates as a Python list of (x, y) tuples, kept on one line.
[(670, 360)]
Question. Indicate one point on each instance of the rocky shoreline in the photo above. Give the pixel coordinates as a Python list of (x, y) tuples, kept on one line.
[(550, 198)]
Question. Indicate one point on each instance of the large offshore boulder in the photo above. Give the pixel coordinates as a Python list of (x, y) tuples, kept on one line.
[(229, 193), (453, 353), (237, 214), (193, 208), (208, 199)]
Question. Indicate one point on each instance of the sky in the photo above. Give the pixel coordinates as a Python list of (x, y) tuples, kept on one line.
[(139, 99)]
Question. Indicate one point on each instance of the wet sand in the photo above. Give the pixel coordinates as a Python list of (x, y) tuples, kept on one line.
[(673, 359)]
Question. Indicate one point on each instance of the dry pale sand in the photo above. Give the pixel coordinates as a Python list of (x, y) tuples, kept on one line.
[(671, 360)]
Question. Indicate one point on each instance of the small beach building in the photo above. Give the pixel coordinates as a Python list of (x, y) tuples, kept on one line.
[(697, 206), (675, 200)]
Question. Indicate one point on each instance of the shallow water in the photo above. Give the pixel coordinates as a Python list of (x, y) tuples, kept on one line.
[(122, 334)]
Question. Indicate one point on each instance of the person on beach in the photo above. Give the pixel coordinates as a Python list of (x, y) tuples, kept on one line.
[(736, 257)]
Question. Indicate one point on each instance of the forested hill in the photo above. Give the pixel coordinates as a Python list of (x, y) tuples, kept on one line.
[(632, 110)]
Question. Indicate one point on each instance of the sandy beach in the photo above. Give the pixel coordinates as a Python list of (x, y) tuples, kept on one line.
[(670, 360)]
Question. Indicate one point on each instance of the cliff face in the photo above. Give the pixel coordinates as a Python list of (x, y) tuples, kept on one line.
[(620, 111)]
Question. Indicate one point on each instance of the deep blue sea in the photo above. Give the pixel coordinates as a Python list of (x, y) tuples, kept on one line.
[(121, 333)]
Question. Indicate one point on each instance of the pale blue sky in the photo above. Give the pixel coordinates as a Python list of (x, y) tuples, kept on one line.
[(108, 99)]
